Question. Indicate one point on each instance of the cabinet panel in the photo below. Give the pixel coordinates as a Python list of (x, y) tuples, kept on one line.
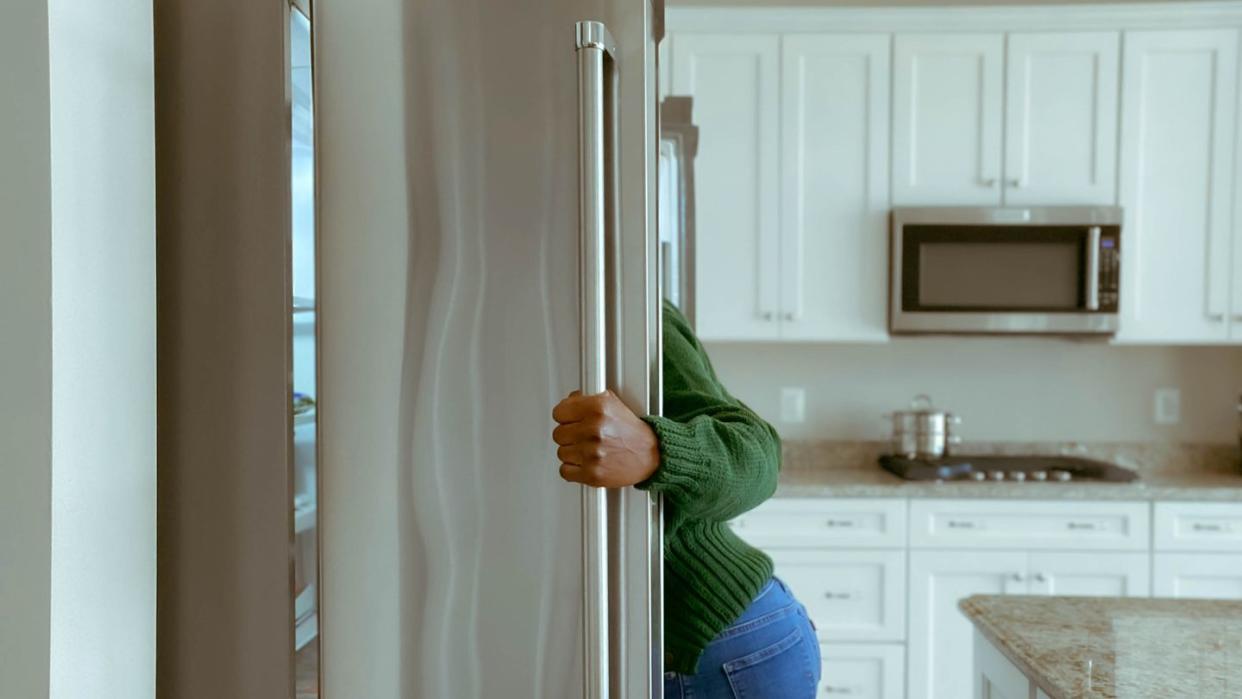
[(1177, 143), (1198, 575), (1061, 119), (1198, 526), (941, 666), (850, 595), (825, 523), (947, 103), (1080, 525), (995, 676), (862, 671), (1090, 574), (734, 80), (834, 186)]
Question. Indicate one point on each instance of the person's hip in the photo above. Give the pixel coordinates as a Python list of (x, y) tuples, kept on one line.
[(770, 651)]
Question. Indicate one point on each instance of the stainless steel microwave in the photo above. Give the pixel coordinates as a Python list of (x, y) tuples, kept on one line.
[(1041, 270)]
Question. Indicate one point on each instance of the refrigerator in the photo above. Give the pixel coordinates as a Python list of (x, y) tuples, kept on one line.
[(487, 212)]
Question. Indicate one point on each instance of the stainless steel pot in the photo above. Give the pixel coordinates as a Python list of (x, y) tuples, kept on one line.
[(923, 431)]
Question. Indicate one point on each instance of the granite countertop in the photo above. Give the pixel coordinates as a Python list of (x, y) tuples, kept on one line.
[(875, 482), (1117, 648), (1166, 472)]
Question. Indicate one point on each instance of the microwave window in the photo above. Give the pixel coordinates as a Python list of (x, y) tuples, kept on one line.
[(1011, 275)]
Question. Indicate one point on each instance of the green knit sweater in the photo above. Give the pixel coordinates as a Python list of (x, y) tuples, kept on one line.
[(718, 459)]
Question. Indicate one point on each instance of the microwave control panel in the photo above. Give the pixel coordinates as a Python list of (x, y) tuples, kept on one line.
[(1110, 270)]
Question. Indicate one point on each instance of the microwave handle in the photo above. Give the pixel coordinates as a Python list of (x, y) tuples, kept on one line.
[(1091, 273)]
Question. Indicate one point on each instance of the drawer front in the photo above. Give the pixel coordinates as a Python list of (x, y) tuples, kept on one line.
[(850, 595), (827, 523), (862, 671), (1073, 525), (1198, 526)]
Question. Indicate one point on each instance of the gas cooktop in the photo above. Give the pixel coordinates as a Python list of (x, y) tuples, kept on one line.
[(1018, 469)]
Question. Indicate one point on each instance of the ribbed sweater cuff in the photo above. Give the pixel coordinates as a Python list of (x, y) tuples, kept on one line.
[(682, 470)]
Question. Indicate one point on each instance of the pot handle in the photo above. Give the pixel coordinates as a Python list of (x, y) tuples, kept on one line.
[(921, 402)]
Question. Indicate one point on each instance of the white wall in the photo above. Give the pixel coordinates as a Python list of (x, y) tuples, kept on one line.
[(1004, 389), (77, 362), (103, 349), (25, 350)]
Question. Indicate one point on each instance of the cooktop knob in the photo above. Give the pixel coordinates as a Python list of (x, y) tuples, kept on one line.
[(997, 475), (978, 475), (1062, 475), (1018, 476), (1039, 475)]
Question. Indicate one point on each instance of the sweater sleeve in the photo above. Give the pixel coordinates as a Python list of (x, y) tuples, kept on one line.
[(718, 459)]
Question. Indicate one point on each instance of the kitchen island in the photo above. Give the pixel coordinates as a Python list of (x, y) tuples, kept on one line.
[(1105, 648)]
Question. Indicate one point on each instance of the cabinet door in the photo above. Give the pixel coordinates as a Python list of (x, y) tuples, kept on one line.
[(1061, 119), (941, 666), (862, 671), (1198, 575), (834, 187), (947, 105), (1177, 143), (735, 82), (1090, 574)]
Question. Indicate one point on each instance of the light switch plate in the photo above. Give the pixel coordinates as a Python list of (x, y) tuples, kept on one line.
[(793, 404), (1168, 406)]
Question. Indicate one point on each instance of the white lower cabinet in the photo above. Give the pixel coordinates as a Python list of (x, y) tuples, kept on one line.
[(882, 577), (939, 668), (850, 595), (1198, 575), (862, 671), (940, 635)]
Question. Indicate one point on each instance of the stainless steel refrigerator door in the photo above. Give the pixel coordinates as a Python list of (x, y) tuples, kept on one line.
[(449, 302)]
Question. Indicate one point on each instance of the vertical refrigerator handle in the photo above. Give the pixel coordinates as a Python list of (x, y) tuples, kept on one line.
[(595, 51)]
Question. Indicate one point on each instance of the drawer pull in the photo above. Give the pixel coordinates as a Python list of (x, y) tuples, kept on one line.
[(1081, 526), (833, 523), (838, 595), (830, 689), (1202, 527), (960, 524)]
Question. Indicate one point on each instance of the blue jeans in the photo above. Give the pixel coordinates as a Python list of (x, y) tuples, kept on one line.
[(770, 652)]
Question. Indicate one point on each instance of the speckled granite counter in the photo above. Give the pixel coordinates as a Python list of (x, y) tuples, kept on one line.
[(1100, 648), (1167, 472)]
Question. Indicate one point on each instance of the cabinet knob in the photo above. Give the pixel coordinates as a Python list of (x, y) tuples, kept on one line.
[(1040, 578), (1217, 317), (1017, 577), (1015, 182), (789, 316), (767, 315), (988, 182)]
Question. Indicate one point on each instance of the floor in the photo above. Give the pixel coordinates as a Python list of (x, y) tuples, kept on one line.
[(306, 671)]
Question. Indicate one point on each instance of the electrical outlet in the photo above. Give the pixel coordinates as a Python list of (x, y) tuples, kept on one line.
[(793, 405), (1168, 406)]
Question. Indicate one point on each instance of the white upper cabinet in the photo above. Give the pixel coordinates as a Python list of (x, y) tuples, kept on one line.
[(834, 187), (947, 118), (1061, 119), (735, 82), (1178, 119)]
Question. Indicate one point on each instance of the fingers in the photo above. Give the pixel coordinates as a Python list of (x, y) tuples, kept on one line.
[(586, 475), (576, 433), (573, 474), (577, 407)]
